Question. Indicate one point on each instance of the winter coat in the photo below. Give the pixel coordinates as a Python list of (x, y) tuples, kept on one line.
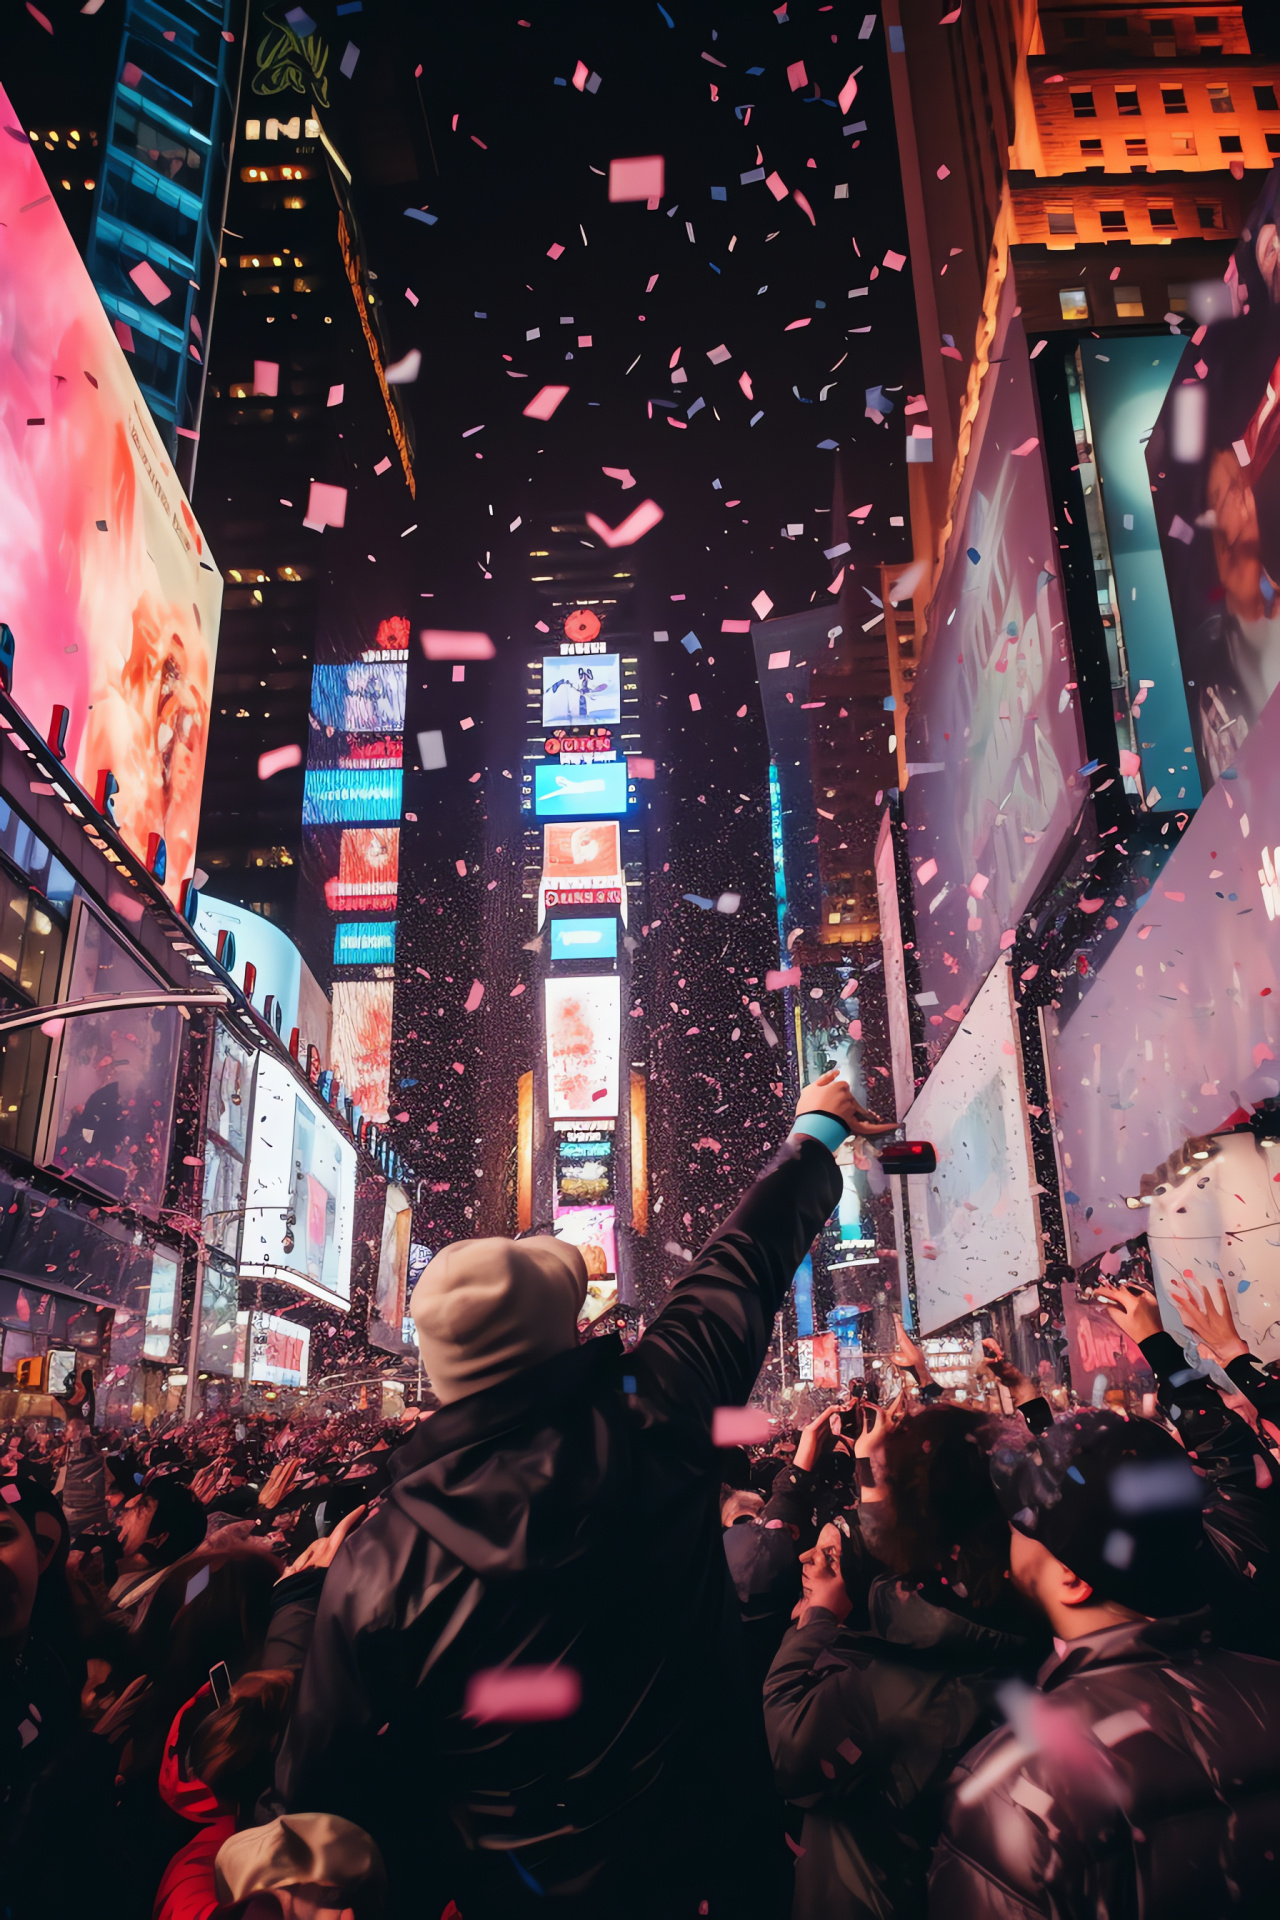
[(187, 1890), (1157, 1792), (864, 1726), (566, 1517)]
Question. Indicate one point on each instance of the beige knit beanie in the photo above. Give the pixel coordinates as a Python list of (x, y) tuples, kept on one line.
[(486, 1310)]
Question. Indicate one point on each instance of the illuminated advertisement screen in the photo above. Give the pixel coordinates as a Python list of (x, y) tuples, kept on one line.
[(273, 1351), (300, 1199), (111, 1102), (582, 1025), (593, 1231), (599, 788), (584, 939), (583, 855), (584, 1171), (219, 1299), (975, 1232), (364, 943), (162, 1306), (275, 960), (994, 736), (98, 544), (333, 796), (364, 697), (393, 1258), (368, 870), (579, 692), (226, 1140), (362, 1043)]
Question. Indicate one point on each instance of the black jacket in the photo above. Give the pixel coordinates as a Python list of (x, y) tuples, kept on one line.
[(864, 1727), (571, 1516), (1157, 1791)]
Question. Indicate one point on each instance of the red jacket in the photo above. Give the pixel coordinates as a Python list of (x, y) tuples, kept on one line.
[(187, 1890)]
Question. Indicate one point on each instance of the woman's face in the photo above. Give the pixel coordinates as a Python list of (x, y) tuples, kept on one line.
[(821, 1562)]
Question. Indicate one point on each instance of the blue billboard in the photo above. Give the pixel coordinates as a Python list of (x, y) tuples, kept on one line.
[(565, 792), (584, 939), (364, 943), (334, 796)]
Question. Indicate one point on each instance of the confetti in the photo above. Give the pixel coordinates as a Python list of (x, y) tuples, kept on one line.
[(523, 1693), (544, 403)]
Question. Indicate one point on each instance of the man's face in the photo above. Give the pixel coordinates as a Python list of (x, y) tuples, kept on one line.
[(19, 1573), (1029, 1563), (134, 1523), (821, 1563)]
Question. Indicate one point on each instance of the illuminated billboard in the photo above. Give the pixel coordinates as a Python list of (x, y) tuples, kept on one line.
[(368, 870), (334, 796), (586, 854), (390, 1299), (364, 943), (162, 1306), (583, 1016), (580, 692), (584, 939), (366, 696), (225, 1141), (272, 1351), (584, 1170), (599, 788), (300, 1198), (362, 1043), (105, 578), (275, 960)]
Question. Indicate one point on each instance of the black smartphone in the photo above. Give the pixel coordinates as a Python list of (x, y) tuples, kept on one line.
[(220, 1683)]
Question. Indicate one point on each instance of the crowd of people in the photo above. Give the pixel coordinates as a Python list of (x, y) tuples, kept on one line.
[(554, 1647)]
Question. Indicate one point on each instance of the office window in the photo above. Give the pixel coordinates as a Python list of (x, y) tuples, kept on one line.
[(1136, 149), (1091, 146), (1175, 100), (1163, 44), (1184, 143), (1116, 29), (1073, 303), (1127, 100), (1210, 218), (1220, 99), (1113, 220), (1179, 295), (1162, 219), (1129, 303), (1264, 99), (1230, 143), (1273, 143), (1206, 23), (1062, 217), (1082, 103)]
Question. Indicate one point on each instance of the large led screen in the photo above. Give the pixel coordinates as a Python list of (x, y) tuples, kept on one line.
[(366, 696), (109, 1108), (219, 1299), (581, 691), (393, 1259), (994, 735), (584, 939), (362, 1043), (226, 1139), (364, 943), (975, 1229), (300, 1199), (589, 853), (275, 960), (599, 788), (162, 1306), (272, 1351), (1180, 1028), (368, 871), (334, 796), (582, 1025), (1215, 487), (105, 577)]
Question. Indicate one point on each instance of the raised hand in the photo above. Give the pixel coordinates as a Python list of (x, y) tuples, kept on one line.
[(1208, 1318), (1132, 1308), (830, 1094), (321, 1551)]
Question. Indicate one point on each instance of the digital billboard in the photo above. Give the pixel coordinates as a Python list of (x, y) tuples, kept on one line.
[(580, 692), (584, 939), (268, 949), (272, 1351), (364, 943), (300, 1199), (366, 696), (994, 737), (583, 1017), (584, 1170), (599, 788), (162, 1306), (362, 1043), (591, 852), (975, 1230), (1215, 489), (368, 871), (226, 1139), (593, 1230), (105, 577), (219, 1299), (390, 1298), (336, 796), (109, 1102)]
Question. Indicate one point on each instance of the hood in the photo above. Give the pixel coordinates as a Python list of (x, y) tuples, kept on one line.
[(521, 1475), (184, 1793), (904, 1617)]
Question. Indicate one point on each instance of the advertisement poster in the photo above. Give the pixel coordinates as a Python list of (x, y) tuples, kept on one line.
[(1215, 486), (584, 1171), (975, 1228), (593, 1230), (584, 939), (583, 1017), (362, 1043), (598, 788), (589, 854), (368, 871), (301, 1190), (226, 1139), (366, 696), (994, 736), (579, 692), (271, 1351), (393, 1258), (162, 1306), (105, 577), (111, 1099), (1097, 1347), (219, 1299)]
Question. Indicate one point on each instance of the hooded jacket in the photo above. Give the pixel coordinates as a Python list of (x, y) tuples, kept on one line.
[(187, 1890), (1153, 1789), (864, 1726), (566, 1517)]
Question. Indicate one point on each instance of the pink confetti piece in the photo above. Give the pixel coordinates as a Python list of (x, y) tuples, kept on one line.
[(925, 872), (762, 605), (461, 867), (640, 768), (1091, 906), (796, 76), (326, 506), (694, 703), (523, 1693), (475, 996), (149, 284), (1007, 938), (979, 884), (544, 403), (780, 659), (744, 381), (740, 1427), (277, 760), (384, 465), (639, 521), (124, 334), (52, 1027), (1130, 763), (895, 261), (1028, 446), (804, 206), (266, 378), (641, 178), (581, 74), (335, 396), (554, 252), (411, 296), (778, 977), (735, 626), (39, 17), (777, 186), (441, 643), (793, 324), (848, 93), (622, 474)]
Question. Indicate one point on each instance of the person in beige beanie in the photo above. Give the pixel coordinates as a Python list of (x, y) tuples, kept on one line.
[(485, 1310)]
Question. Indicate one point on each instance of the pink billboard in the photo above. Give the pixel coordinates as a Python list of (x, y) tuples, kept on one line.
[(994, 737), (105, 577)]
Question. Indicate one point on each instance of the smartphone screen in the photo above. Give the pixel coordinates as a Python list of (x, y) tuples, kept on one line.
[(220, 1683)]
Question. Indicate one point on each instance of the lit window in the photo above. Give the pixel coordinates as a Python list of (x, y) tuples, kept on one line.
[(1062, 217), (1082, 103), (1113, 219), (1230, 143), (1073, 303), (253, 129), (1179, 296), (1184, 143), (1163, 219), (1127, 100), (1264, 99), (1175, 100), (1136, 149), (1129, 303), (1220, 99)]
